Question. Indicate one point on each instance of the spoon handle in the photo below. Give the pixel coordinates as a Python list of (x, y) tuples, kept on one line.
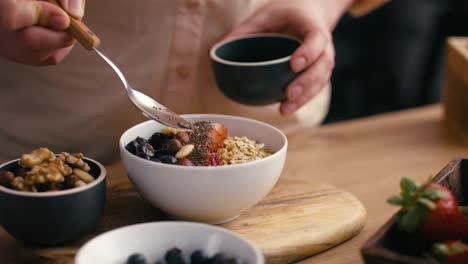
[(81, 32)]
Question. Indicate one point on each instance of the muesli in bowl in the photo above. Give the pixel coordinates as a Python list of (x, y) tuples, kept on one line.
[(207, 144), (210, 194)]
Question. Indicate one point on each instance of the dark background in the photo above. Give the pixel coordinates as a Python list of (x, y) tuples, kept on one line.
[(393, 58)]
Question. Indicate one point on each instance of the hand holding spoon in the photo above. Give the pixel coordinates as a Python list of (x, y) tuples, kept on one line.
[(149, 107)]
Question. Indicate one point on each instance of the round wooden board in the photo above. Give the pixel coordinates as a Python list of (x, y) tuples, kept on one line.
[(300, 219), (295, 221)]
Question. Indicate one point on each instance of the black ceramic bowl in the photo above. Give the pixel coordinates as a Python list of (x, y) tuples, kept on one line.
[(254, 70), (53, 218)]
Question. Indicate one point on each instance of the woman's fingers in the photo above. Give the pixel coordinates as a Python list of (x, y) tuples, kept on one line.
[(24, 13), (74, 7), (58, 56), (309, 83), (39, 38), (314, 45)]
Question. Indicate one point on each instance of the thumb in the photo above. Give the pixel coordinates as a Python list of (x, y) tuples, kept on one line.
[(21, 14), (74, 7)]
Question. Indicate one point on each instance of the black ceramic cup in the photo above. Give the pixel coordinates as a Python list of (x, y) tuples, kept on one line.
[(255, 69), (53, 218)]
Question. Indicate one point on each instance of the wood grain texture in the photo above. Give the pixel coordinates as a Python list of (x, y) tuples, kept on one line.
[(297, 220), (81, 32), (455, 95), (300, 219), (366, 157)]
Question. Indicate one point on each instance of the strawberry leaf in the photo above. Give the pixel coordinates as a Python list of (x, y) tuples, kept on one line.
[(409, 219), (408, 186), (396, 200), (427, 203), (441, 250), (433, 194)]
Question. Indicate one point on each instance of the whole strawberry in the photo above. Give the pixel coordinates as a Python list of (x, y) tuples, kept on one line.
[(429, 210), (451, 252)]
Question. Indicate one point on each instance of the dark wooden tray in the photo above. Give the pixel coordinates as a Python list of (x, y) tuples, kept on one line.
[(391, 246)]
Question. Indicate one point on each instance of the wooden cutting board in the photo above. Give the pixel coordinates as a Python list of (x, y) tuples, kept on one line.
[(295, 221)]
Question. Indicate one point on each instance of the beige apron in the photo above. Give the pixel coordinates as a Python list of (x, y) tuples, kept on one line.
[(162, 48)]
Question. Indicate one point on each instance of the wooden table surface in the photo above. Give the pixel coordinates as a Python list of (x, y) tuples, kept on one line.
[(366, 157)]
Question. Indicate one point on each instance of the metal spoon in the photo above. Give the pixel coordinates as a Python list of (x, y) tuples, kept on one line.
[(149, 107)]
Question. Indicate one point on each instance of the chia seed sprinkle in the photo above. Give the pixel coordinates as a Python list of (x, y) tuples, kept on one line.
[(200, 139)]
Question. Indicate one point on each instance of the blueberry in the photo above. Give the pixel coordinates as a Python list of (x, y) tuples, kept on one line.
[(145, 149), (161, 152), (231, 261), (174, 256), (157, 140), (168, 159), (197, 257), (143, 155), (132, 146), (136, 259), (155, 159), (219, 258), (141, 141)]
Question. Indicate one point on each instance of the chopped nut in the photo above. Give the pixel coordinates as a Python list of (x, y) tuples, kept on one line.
[(70, 181), (36, 157), (184, 151), (183, 137), (6, 178), (173, 145), (43, 171), (80, 183), (74, 160), (184, 162), (18, 184), (52, 171), (83, 175), (169, 131)]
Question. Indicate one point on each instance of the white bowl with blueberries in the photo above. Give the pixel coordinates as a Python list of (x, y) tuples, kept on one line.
[(226, 165), (171, 243)]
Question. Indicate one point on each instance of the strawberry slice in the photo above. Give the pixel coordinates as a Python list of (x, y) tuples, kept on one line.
[(451, 252), (217, 134), (430, 210)]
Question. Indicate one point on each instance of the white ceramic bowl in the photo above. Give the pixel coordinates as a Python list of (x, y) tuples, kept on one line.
[(207, 194), (153, 240)]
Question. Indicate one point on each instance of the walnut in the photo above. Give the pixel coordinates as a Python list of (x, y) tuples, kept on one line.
[(36, 157), (43, 171), (61, 166), (19, 184), (53, 171), (74, 160)]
